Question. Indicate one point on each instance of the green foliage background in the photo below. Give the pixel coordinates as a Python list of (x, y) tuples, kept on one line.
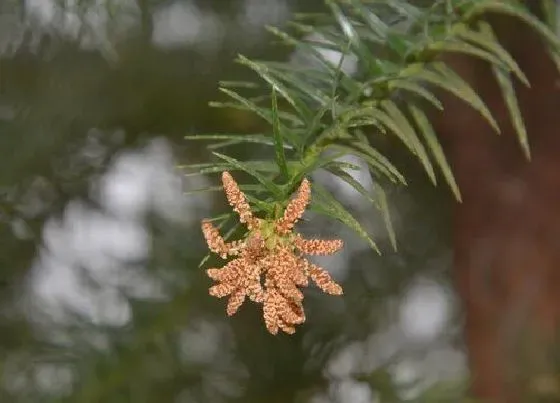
[(298, 120)]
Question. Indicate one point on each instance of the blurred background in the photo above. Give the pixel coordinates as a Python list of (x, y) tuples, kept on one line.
[(101, 294)]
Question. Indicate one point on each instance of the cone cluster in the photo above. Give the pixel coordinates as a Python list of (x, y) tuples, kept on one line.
[(268, 265)]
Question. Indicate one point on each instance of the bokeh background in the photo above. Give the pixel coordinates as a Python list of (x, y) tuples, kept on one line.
[(101, 294)]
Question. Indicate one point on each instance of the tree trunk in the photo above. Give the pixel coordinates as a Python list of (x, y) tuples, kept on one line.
[(507, 230)]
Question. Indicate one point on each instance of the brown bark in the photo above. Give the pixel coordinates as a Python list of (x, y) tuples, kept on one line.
[(507, 230)]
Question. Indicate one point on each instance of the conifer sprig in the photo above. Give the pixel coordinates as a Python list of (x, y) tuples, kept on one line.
[(321, 112)]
